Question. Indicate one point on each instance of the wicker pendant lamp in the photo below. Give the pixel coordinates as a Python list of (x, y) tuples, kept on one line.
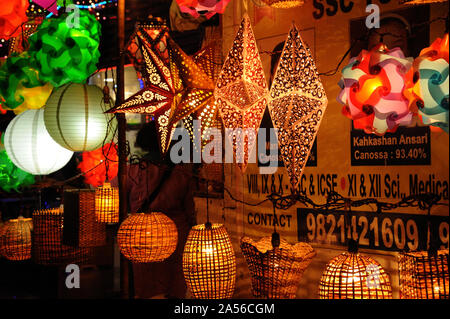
[(351, 275), (16, 239), (276, 267), (209, 263), (424, 275), (107, 204), (147, 237)]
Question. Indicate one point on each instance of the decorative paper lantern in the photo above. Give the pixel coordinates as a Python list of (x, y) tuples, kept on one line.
[(12, 15), (20, 85), (209, 263), (74, 117), (424, 275), (31, 148), (99, 165), (107, 204), (64, 50), (16, 239), (416, 2), (428, 84), (47, 241), (284, 4), (147, 237), (297, 104), (19, 43), (241, 92), (12, 177), (351, 275), (81, 228), (276, 270), (207, 8), (372, 90)]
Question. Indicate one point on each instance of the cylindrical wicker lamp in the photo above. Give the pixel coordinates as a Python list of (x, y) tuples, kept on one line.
[(351, 275), (16, 239), (209, 263), (2, 234), (276, 269), (147, 237), (424, 275), (107, 204), (47, 241)]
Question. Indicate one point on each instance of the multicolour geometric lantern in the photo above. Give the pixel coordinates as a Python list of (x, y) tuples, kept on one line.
[(19, 43), (297, 104), (21, 87), (65, 49), (74, 117), (206, 8), (428, 84), (284, 4), (241, 93), (12, 177), (209, 263), (12, 15), (100, 165), (31, 148), (372, 90)]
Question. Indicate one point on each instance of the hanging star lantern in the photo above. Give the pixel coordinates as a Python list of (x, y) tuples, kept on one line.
[(297, 103), (241, 93), (171, 91)]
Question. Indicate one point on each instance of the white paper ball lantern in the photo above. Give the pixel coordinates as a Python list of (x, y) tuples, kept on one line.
[(31, 148), (74, 117)]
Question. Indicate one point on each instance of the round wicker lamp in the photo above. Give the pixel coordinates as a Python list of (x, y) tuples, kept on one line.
[(276, 267), (16, 239), (107, 204), (209, 263), (147, 237), (351, 275), (2, 234)]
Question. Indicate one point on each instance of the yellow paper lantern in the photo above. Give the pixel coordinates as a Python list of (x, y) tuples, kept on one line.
[(107, 204), (351, 275), (31, 148), (209, 263), (147, 237), (16, 239), (74, 117), (33, 98)]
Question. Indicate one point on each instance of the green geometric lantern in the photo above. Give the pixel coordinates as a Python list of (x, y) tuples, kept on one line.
[(74, 117), (65, 49)]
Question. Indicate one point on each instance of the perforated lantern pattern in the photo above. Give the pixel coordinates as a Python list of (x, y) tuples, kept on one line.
[(354, 276), (147, 237), (16, 239), (241, 93), (297, 104), (276, 272), (209, 263), (107, 204), (31, 148), (424, 276), (74, 117)]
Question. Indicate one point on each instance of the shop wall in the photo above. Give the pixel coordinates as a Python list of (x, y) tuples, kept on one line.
[(329, 38)]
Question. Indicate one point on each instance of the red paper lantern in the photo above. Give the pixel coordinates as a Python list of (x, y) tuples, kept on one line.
[(95, 164), (12, 15)]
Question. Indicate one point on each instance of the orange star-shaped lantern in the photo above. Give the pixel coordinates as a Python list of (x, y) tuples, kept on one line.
[(297, 103), (241, 93)]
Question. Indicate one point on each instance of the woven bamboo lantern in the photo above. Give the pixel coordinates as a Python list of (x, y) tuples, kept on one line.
[(107, 204), (209, 263), (16, 239), (2, 233), (74, 117), (284, 4), (47, 241), (351, 275), (147, 237), (276, 268), (424, 275), (81, 228)]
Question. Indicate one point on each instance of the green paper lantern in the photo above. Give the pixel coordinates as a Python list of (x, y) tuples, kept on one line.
[(66, 49), (20, 85), (75, 117), (12, 177)]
